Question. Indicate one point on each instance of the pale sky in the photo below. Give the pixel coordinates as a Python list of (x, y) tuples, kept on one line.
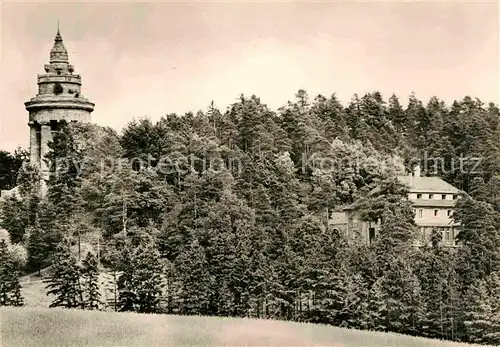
[(150, 59)]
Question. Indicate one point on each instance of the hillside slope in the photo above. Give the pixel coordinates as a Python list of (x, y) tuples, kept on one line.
[(58, 327), (34, 291)]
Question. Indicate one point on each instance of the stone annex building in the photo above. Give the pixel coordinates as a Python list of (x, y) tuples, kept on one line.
[(433, 202)]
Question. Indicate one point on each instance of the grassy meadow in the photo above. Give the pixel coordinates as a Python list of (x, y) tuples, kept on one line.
[(36, 326)]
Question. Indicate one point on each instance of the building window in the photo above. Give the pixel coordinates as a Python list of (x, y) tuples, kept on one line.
[(420, 213), (447, 236), (371, 234), (449, 213), (435, 212), (58, 89), (419, 196), (455, 196), (443, 196), (431, 196)]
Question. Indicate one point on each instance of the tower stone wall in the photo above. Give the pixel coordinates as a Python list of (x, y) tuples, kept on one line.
[(59, 98)]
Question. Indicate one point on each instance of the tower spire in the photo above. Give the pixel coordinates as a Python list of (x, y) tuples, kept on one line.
[(58, 35), (58, 54)]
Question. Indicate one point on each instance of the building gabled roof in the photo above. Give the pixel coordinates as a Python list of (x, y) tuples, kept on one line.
[(433, 184)]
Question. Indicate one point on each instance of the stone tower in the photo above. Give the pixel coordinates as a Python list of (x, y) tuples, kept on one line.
[(59, 98)]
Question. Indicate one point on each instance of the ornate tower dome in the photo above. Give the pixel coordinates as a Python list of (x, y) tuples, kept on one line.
[(59, 98), (58, 54)]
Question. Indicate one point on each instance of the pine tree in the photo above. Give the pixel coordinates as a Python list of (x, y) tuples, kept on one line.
[(9, 166), (141, 139), (140, 280), (493, 336), (10, 288), (331, 112), (416, 120), (63, 281), (480, 239), (339, 299), (16, 298), (399, 290), (127, 296), (38, 246), (148, 277), (376, 308), (111, 291), (13, 217), (432, 271), (478, 312), (396, 114), (66, 161), (195, 278), (284, 278), (90, 283)]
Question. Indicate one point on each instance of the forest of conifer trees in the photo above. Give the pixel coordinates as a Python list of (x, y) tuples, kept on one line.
[(225, 213)]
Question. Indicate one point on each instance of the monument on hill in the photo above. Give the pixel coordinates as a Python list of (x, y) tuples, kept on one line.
[(59, 98)]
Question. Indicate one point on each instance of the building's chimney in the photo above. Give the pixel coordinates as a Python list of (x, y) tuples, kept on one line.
[(416, 170)]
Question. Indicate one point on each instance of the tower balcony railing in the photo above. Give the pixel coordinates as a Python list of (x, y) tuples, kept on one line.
[(48, 78)]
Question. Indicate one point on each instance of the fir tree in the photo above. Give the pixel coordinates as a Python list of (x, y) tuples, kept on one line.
[(399, 290), (148, 278), (63, 281), (478, 312), (140, 281), (10, 163), (480, 239), (493, 336), (196, 280), (126, 286), (433, 273), (90, 282), (10, 288), (38, 246), (13, 217)]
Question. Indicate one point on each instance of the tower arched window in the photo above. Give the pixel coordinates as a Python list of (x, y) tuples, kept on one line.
[(58, 89)]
